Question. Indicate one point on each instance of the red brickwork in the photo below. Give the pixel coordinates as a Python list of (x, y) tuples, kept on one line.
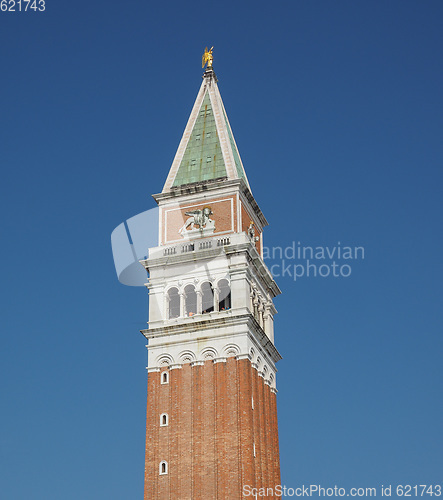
[(275, 445), (224, 215), (209, 484), (213, 426), (175, 382), (245, 221)]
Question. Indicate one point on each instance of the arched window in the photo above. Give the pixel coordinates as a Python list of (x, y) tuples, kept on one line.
[(173, 303), (164, 378), (259, 363), (164, 420), (207, 298), (190, 300), (224, 295), (271, 380), (163, 468)]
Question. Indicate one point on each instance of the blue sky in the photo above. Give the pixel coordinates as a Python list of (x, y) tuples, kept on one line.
[(337, 111)]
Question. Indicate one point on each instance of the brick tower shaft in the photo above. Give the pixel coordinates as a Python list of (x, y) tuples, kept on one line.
[(222, 435), (212, 414)]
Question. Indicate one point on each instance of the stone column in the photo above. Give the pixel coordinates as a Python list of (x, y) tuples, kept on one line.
[(182, 304)]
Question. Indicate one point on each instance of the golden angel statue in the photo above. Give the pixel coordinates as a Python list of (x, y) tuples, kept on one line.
[(207, 57)]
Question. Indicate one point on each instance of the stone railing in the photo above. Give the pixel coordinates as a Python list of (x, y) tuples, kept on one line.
[(187, 247), (198, 245)]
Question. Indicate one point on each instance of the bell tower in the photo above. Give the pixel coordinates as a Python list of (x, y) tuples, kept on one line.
[(211, 414)]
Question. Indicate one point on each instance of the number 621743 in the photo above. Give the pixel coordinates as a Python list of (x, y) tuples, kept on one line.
[(22, 5)]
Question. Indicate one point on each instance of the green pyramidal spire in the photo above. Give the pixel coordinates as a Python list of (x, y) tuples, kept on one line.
[(207, 150), (203, 158)]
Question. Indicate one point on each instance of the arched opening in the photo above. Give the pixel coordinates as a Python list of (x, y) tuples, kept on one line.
[(173, 303), (259, 363), (164, 421), (207, 298), (224, 295), (271, 380), (163, 468), (190, 300), (164, 378)]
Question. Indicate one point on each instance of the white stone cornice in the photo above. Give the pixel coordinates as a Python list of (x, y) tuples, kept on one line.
[(243, 356), (198, 363), (239, 345), (238, 256), (175, 366), (198, 190), (248, 200), (228, 321), (220, 360)]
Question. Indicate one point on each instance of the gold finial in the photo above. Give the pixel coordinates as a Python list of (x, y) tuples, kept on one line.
[(207, 57)]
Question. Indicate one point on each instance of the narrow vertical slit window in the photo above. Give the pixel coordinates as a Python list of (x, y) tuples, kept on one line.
[(163, 468)]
